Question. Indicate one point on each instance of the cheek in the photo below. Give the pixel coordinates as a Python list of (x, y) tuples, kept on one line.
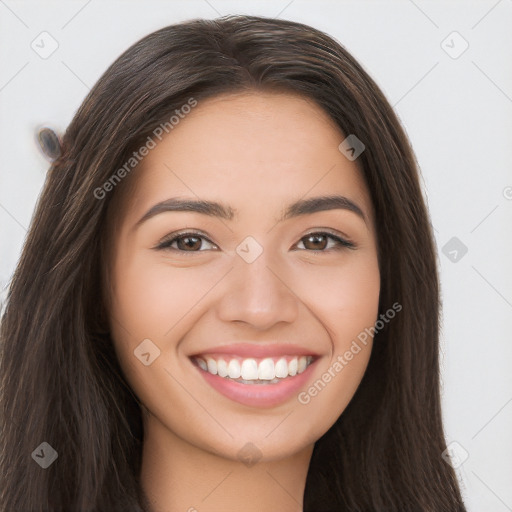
[(344, 297), (345, 300), (150, 299), (151, 296), (356, 305)]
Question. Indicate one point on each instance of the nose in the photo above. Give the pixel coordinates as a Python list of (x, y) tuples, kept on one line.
[(257, 294)]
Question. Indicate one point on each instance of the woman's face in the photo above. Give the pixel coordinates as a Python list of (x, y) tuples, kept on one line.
[(243, 285)]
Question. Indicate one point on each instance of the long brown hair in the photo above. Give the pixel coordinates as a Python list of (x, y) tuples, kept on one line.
[(60, 379)]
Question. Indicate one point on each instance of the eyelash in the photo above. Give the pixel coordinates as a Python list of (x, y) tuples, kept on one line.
[(167, 242)]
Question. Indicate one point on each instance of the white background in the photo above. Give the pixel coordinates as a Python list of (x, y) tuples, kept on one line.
[(457, 112)]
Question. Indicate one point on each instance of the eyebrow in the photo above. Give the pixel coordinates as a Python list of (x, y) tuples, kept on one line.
[(214, 209)]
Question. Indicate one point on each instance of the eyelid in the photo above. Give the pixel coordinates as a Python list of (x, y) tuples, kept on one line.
[(343, 241), (181, 233)]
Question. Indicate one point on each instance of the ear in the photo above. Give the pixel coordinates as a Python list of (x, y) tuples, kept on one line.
[(49, 143)]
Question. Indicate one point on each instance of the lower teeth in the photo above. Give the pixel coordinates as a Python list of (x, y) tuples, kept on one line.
[(243, 381)]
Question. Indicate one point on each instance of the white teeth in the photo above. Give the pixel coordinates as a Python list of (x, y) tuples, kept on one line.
[(212, 365), (282, 368), (266, 369), (222, 368), (234, 370), (292, 367), (249, 369), (303, 363)]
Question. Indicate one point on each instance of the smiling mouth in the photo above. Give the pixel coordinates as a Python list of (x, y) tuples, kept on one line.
[(258, 371)]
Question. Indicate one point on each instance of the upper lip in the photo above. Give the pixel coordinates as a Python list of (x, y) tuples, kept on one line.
[(257, 350)]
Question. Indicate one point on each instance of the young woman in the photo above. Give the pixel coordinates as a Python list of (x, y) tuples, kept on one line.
[(228, 298)]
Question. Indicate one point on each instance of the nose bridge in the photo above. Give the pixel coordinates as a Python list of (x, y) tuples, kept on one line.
[(255, 292)]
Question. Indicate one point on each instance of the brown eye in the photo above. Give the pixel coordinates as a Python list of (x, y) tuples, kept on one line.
[(315, 242), (192, 242), (185, 242), (319, 242)]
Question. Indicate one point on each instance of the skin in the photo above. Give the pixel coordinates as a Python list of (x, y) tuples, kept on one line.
[(255, 152)]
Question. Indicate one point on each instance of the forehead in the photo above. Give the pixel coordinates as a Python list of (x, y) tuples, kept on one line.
[(249, 150)]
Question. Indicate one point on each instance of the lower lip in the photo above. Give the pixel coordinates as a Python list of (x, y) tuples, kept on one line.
[(258, 395)]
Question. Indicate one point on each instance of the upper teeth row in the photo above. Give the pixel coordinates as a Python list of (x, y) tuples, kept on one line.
[(249, 369)]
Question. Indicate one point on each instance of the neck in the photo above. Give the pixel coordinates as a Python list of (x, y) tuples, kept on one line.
[(177, 476)]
